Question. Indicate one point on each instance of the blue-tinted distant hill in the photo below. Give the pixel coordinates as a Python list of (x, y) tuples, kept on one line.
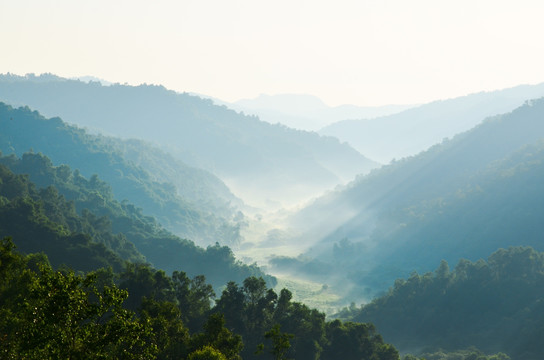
[(189, 202), (257, 159), (307, 112), (414, 130)]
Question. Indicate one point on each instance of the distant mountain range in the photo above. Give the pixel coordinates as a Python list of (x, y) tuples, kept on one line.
[(262, 163), (307, 112), (414, 130)]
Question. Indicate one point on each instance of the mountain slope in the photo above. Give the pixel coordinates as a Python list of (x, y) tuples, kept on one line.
[(257, 159), (43, 221), (414, 130), (463, 198), (77, 221), (92, 154), (495, 305)]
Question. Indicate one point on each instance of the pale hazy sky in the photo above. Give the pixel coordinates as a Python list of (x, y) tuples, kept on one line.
[(365, 52)]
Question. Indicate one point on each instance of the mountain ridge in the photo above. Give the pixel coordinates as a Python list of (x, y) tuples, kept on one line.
[(307, 112), (233, 146), (68, 144), (414, 130)]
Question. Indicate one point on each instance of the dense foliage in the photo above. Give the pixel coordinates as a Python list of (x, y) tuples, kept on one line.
[(45, 222), (496, 305), (70, 213), (143, 314), (94, 154), (253, 309), (50, 314), (65, 315)]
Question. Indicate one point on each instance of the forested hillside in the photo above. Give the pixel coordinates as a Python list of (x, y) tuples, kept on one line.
[(261, 160), (196, 216), (496, 305), (202, 189), (141, 313), (463, 198), (45, 222), (65, 212)]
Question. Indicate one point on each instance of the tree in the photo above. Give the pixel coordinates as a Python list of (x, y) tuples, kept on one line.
[(193, 297), (141, 280), (231, 304), (355, 341), (66, 317), (206, 353), (169, 334), (280, 342), (219, 337)]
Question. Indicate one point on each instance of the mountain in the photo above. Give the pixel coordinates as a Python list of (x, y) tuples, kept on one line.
[(495, 305), (201, 216), (44, 222), (200, 187), (414, 130), (92, 79), (76, 221), (307, 112), (261, 161), (463, 198)]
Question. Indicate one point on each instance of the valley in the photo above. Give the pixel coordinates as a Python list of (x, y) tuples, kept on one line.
[(199, 186), (287, 180)]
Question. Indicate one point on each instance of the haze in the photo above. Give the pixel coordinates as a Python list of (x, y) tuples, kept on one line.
[(346, 52)]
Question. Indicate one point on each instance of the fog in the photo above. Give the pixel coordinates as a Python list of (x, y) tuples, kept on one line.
[(307, 208), (359, 236)]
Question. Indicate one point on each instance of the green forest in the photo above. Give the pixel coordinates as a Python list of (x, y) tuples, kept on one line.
[(204, 216), (77, 282), (113, 248), (494, 305), (67, 215), (141, 313)]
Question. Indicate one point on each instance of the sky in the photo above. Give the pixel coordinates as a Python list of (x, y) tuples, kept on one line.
[(363, 52)]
